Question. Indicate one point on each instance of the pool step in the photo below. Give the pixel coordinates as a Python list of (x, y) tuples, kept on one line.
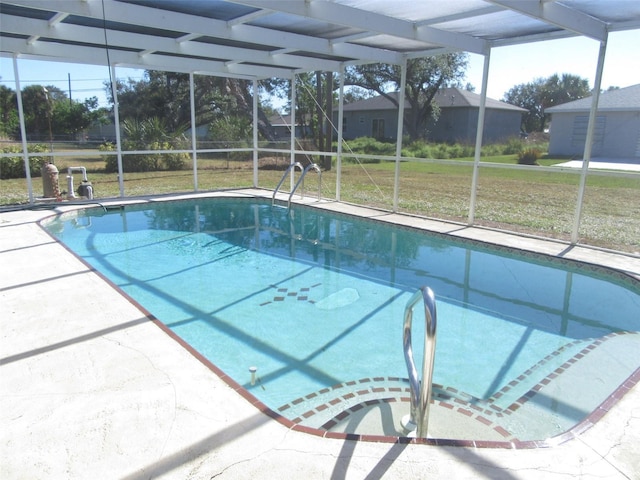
[(376, 406), (543, 407), (446, 421), (576, 389)]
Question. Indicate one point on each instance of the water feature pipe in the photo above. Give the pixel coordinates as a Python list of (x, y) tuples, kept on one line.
[(86, 185)]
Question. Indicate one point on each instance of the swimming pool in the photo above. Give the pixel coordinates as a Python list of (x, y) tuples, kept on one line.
[(315, 302)]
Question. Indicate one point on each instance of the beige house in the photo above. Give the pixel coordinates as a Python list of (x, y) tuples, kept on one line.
[(617, 127)]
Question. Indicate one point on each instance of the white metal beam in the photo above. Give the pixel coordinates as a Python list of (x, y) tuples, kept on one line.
[(97, 56), (150, 44), (478, 144), (399, 132), (340, 134), (345, 15), (116, 117), (160, 19), (254, 124), (23, 131), (476, 12), (194, 128), (57, 18), (249, 17), (560, 15), (588, 144)]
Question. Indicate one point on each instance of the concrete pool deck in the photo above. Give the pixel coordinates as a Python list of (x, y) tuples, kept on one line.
[(90, 387)]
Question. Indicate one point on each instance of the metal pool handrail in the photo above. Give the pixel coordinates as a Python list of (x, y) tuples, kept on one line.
[(292, 166), (420, 392), (315, 167)]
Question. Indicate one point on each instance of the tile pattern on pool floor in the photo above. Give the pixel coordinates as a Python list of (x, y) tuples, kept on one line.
[(336, 408), (283, 293)]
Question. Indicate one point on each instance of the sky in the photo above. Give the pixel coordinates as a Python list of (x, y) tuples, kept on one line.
[(509, 66), (515, 65)]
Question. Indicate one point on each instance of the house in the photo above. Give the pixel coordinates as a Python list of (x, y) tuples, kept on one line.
[(281, 124), (617, 127), (377, 117)]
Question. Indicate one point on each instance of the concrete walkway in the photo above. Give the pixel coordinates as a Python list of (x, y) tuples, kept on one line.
[(628, 165), (92, 389)]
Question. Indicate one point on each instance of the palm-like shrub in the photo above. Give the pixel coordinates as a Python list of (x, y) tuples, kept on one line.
[(149, 134), (529, 156)]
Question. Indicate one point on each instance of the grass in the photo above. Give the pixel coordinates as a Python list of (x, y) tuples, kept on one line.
[(522, 200)]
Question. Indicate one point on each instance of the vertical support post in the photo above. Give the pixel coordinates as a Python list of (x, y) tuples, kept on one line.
[(116, 115), (479, 134), (255, 133), (399, 132), (23, 130), (292, 159), (194, 145), (588, 144), (340, 138), (328, 121)]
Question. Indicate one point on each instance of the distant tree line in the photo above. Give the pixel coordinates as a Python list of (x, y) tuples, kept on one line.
[(543, 93), (224, 106)]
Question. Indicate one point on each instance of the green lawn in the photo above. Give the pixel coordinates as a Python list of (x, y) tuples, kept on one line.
[(524, 200)]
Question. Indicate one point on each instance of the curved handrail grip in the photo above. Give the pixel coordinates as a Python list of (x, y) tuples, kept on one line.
[(313, 166), (291, 166), (319, 171), (420, 392)]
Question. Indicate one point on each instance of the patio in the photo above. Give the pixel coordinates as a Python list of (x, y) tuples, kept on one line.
[(92, 388)]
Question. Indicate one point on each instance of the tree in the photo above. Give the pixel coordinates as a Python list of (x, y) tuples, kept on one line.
[(37, 105), (48, 113), (72, 117), (166, 95), (9, 121), (425, 76), (543, 93)]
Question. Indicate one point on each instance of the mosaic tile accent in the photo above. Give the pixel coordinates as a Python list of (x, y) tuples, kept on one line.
[(397, 390), (392, 394), (285, 294), (547, 380)]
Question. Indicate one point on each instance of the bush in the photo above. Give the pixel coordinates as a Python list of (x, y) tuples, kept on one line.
[(418, 149), (13, 167), (529, 156), (424, 149), (371, 146), (147, 162), (492, 150), (513, 146), (442, 151), (149, 134)]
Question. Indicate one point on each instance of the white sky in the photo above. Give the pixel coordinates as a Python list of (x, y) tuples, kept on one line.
[(509, 66)]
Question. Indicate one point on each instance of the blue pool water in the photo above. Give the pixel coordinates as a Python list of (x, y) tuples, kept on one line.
[(314, 299)]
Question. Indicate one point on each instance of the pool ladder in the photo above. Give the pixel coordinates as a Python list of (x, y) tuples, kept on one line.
[(420, 392), (304, 170)]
